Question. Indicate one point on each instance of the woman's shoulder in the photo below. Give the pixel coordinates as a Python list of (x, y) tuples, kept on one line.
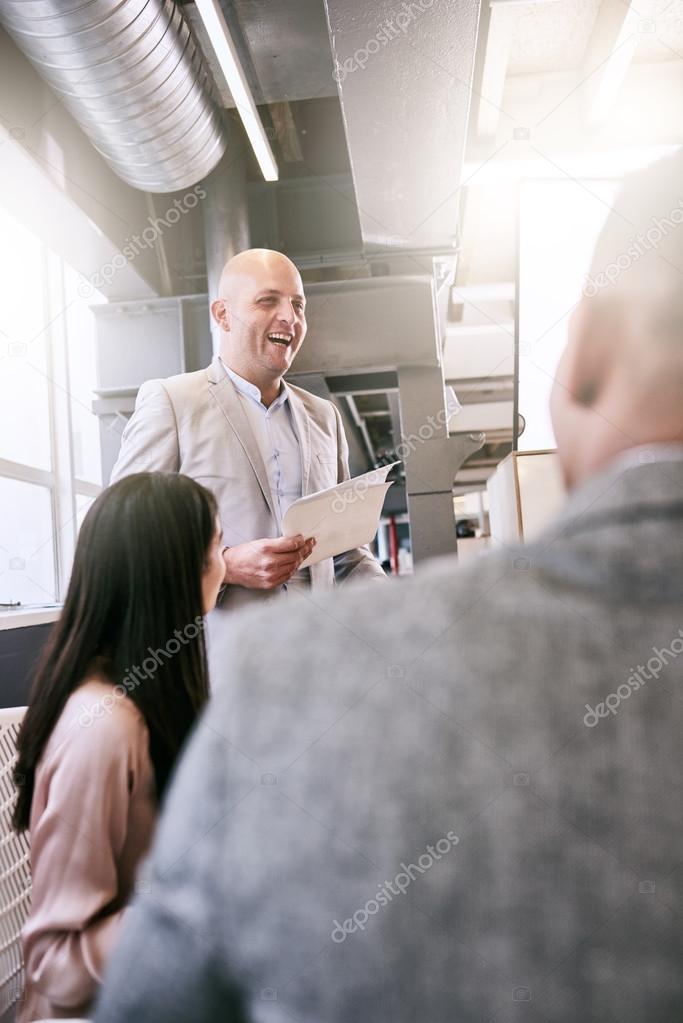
[(97, 755), (100, 714)]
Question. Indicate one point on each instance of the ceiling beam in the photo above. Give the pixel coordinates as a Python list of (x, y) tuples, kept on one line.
[(286, 132), (494, 73), (404, 81), (609, 54)]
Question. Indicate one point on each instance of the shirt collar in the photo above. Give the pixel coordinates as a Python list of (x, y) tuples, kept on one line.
[(251, 390), (644, 453), (645, 477)]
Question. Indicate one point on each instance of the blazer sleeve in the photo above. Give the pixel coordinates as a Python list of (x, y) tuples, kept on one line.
[(150, 438), (358, 563), (75, 845)]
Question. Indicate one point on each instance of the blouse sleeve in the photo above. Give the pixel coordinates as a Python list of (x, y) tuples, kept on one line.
[(75, 845)]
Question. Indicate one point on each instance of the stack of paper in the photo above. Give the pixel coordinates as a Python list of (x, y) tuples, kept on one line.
[(342, 517)]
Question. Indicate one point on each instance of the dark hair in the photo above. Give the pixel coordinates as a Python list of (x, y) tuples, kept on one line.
[(136, 584)]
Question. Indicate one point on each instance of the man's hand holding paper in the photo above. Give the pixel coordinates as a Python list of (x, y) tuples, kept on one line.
[(341, 517)]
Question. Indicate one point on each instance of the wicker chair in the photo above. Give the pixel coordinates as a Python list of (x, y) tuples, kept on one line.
[(15, 869), (15, 873)]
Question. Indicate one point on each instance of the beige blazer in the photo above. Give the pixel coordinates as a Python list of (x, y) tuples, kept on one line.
[(194, 423)]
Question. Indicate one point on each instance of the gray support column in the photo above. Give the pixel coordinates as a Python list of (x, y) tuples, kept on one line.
[(226, 215), (431, 458)]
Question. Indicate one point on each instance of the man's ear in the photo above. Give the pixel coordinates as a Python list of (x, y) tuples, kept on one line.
[(219, 311), (592, 351)]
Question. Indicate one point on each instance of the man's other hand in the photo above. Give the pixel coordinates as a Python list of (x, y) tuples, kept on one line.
[(265, 564)]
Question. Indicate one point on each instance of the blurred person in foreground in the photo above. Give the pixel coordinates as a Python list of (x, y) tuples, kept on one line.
[(461, 803), (120, 684)]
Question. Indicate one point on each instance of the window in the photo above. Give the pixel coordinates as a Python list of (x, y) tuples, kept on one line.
[(50, 467), (85, 429), (27, 552), (558, 226), (24, 400)]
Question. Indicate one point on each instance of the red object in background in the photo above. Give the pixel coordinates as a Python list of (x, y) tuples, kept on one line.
[(393, 545)]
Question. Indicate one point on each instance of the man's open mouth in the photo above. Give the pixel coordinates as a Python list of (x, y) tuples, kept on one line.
[(281, 339)]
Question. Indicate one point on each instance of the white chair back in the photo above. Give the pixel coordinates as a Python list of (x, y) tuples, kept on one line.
[(15, 868)]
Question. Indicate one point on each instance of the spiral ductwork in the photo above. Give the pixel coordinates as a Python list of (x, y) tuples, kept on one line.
[(131, 75)]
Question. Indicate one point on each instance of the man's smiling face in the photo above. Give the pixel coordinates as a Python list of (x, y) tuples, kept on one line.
[(263, 316), (275, 319)]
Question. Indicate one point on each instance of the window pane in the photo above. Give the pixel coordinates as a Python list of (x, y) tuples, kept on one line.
[(26, 544), (80, 333), (552, 265), (24, 406)]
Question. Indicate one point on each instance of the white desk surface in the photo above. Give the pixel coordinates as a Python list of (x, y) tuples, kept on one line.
[(21, 617)]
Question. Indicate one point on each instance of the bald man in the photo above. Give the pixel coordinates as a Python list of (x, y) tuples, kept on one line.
[(256, 441)]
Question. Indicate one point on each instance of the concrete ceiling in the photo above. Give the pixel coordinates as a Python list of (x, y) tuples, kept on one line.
[(405, 166), (550, 36), (400, 133), (664, 38), (404, 81), (284, 48), (399, 130), (378, 173), (538, 70)]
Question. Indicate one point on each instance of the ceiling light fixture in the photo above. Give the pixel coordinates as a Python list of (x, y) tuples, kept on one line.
[(226, 53)]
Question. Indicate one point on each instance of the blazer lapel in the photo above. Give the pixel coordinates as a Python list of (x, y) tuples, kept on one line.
[(303, 432), (226, 396)]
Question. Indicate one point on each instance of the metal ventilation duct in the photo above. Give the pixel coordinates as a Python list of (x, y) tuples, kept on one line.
[(131, 75)]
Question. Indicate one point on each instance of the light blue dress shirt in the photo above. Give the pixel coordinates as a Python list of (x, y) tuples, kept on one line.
[(277, 441), (278, 445)]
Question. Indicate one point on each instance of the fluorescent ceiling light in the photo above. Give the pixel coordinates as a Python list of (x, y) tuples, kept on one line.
[(226, 53)]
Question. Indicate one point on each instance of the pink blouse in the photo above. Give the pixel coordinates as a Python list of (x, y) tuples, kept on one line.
[(92, 817)]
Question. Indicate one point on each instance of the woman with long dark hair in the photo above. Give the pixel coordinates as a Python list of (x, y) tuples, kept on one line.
[(118, 688)]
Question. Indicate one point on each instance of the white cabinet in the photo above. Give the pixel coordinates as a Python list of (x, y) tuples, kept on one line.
[(525, 493)]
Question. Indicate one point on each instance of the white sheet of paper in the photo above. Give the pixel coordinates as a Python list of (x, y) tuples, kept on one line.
[(341, 517)]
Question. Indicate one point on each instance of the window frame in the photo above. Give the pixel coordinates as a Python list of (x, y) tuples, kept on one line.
[(60, 481)]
